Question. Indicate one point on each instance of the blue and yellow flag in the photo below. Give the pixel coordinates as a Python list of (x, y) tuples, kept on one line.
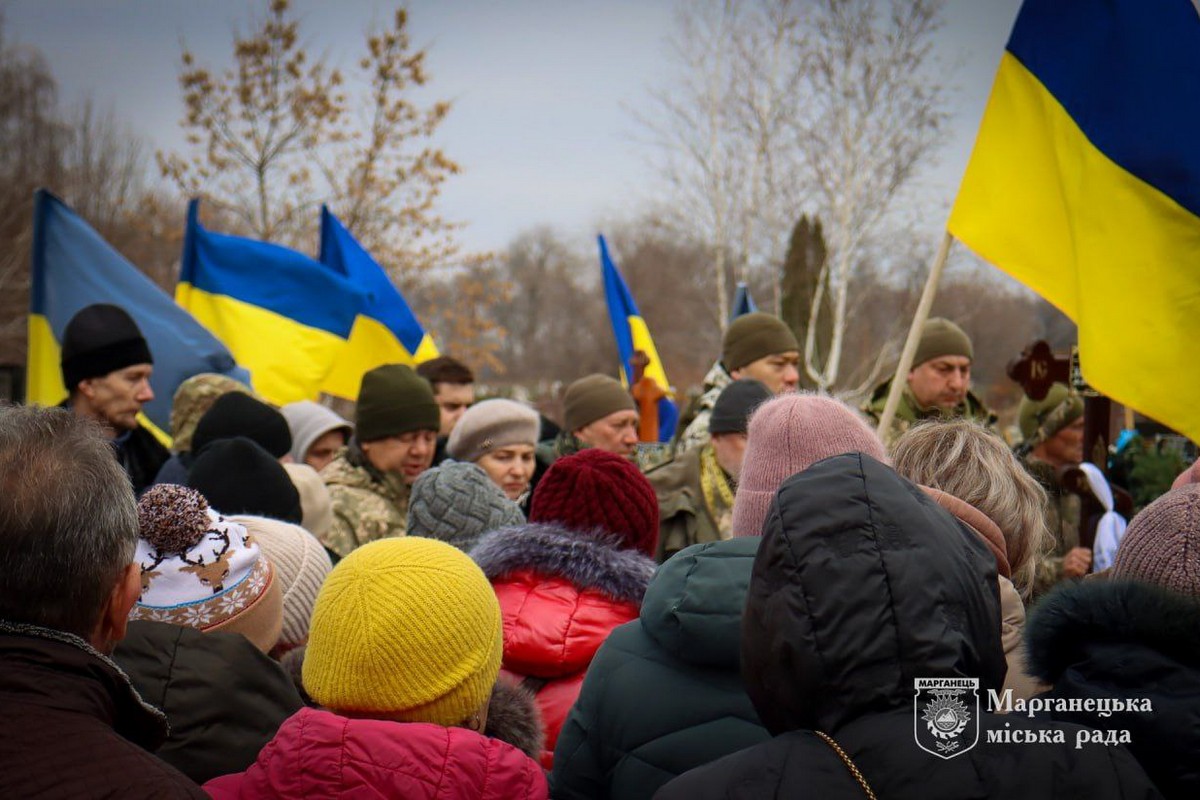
[(632, 335), (284, 316), (743, 303), (386, 330), (74, 267), (1085, 185)]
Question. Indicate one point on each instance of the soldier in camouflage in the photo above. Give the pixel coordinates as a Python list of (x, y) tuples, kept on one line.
[(396, 425), (1053, 439), (757, 346), (192, 399), (938, 385)]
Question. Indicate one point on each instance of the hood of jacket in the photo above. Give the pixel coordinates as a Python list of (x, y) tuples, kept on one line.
[(320, 754), (693, 607), (861, 584), (586, 561)]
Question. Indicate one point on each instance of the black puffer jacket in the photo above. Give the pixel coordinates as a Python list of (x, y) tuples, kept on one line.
[(861, 585), (222, 696), (1128, 641), (664, 694)]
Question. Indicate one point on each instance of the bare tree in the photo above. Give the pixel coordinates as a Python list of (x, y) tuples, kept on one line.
[(873, 117)]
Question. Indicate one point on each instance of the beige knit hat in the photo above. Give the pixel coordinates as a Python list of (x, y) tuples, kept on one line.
[(301, 565), (490, 425), (1162, 544), (316, 505)]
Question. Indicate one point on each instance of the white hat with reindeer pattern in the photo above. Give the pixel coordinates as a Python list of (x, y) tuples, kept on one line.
[(201, 570)]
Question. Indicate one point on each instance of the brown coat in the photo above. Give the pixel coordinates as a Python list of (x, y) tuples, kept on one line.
[(74, 726), (683, 518)]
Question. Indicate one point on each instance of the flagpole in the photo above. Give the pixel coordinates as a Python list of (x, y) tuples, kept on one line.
[(914, 335)]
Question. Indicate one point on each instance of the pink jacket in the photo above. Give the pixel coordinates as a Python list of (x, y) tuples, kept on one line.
[(320, 754)]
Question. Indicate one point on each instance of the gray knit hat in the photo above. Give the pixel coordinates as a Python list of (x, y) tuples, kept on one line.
[(458, 503), (310, 421), (490, 425), (1162, 544)]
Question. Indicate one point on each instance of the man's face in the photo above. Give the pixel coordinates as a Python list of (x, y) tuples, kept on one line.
[(406, 454), (780, 372), (730, 449), (116, 398), (941, 381), (1064, 447), (322, 451), (453, 399), (616, 433)]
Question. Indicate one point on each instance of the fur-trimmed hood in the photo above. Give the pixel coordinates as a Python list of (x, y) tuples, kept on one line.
[(587, 561), (1078, 617), (513, 717)]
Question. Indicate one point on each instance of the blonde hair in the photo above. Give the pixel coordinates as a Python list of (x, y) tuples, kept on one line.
[(963, 459)]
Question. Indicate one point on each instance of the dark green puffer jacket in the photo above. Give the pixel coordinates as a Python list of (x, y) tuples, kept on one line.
[(664, 693)]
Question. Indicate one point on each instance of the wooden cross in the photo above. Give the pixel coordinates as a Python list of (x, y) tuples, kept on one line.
[(646, 393)]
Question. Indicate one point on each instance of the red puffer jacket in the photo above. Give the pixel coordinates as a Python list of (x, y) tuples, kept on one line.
[(319, 754), (561, 594)]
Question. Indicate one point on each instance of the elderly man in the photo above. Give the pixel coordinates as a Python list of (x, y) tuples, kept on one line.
[(74, 726), (938, 385), (757, 346), (597, 412), (106, 367), (695, 491), (395, 433)]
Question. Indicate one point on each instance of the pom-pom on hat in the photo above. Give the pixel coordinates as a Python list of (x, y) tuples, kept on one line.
[(598, 491), (408, 628), (457, 502), (788, 435), (491, 425), (201, 570), (1162, 544)]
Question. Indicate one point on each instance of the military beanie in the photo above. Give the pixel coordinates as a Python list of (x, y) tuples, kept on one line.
[(394, 400), (1057, 410), (731, 412), (592, 398), (754, 336), (100, 339), (941, 337)]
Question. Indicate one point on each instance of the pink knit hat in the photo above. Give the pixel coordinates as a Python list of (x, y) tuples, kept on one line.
[(787, 435), (1162, 543)]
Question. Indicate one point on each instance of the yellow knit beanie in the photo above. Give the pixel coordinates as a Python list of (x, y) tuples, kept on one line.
[(408, 628)]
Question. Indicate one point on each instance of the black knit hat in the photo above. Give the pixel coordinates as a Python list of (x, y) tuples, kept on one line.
[(731, 412), (239, 414), (100, 339), (393, 400), (239, 477)]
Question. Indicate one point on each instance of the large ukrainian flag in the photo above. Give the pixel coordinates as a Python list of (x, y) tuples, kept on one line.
[(386, 331), (632, 335), (284, 316), (1085, 185), (74, 267)]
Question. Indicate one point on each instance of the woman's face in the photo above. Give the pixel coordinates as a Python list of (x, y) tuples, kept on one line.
[(510, 468)]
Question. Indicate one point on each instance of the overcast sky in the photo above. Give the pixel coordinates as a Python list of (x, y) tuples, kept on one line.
[(540, 89)]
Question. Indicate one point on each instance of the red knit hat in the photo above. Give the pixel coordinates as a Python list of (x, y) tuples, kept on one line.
[(598, 490)]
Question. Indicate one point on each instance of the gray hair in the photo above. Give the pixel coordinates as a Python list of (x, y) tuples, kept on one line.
[(68, 519), (964, 459)]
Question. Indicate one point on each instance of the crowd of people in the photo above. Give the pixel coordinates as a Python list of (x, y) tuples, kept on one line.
[(444, 598)]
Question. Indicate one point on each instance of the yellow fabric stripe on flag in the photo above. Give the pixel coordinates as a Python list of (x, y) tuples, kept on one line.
[(642, 341), (257, 338), (1116, 255), (43, 371), (371, 344)]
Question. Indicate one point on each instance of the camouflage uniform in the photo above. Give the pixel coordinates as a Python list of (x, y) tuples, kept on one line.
[(192, 399), (1063, 512), (909, 412), (367, 504), (696, 432), (685, 515)]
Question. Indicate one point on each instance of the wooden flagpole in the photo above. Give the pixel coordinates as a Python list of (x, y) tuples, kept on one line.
[(914, 336)]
